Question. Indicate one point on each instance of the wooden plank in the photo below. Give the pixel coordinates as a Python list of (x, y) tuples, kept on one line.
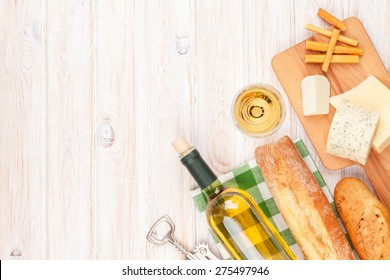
[(169, 112), (70, 78), (23, 130), (120, 192)]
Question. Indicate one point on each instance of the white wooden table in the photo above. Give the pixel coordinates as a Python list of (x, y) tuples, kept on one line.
[(93, 92)]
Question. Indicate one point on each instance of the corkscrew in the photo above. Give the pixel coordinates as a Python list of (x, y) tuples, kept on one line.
[(201, 252)]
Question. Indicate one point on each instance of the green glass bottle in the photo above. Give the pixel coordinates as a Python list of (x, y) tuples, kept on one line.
[(232, 214)]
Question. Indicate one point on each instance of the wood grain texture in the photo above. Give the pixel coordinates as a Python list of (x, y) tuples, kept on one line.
[(23, 165), (118, 193), (93, 92), (70, 84)]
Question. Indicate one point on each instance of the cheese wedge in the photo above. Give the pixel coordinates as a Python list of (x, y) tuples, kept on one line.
[(351, 132), (315, 95), (375, 96)]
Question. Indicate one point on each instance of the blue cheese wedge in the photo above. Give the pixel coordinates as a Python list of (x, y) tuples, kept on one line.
[(352, 131)]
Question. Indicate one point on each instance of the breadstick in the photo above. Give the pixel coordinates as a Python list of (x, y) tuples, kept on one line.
[(329, 51), (328, 33), (322, 47), (337, 58), (331, 19)]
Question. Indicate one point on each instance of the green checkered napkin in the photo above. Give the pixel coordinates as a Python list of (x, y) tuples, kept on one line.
[(249, 178)]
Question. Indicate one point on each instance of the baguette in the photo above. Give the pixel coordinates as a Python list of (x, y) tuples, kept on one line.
[(301, 202), (366, 219)]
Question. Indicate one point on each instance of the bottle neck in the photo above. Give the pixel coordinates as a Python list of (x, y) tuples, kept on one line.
[(199, 169), (213, 190)]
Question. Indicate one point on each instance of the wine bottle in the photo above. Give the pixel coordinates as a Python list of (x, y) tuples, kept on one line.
[(232, 214)]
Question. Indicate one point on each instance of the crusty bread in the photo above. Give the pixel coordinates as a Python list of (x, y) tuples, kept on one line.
[(366, 219), (301, 202)]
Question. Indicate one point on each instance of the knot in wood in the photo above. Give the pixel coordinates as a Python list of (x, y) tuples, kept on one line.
[(182, 45)]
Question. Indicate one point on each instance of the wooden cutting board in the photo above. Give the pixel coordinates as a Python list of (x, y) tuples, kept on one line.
[(290, 68)]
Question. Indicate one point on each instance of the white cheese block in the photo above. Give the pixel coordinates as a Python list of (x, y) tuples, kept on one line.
[(352, 131), (373, 95), (315, 95)]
